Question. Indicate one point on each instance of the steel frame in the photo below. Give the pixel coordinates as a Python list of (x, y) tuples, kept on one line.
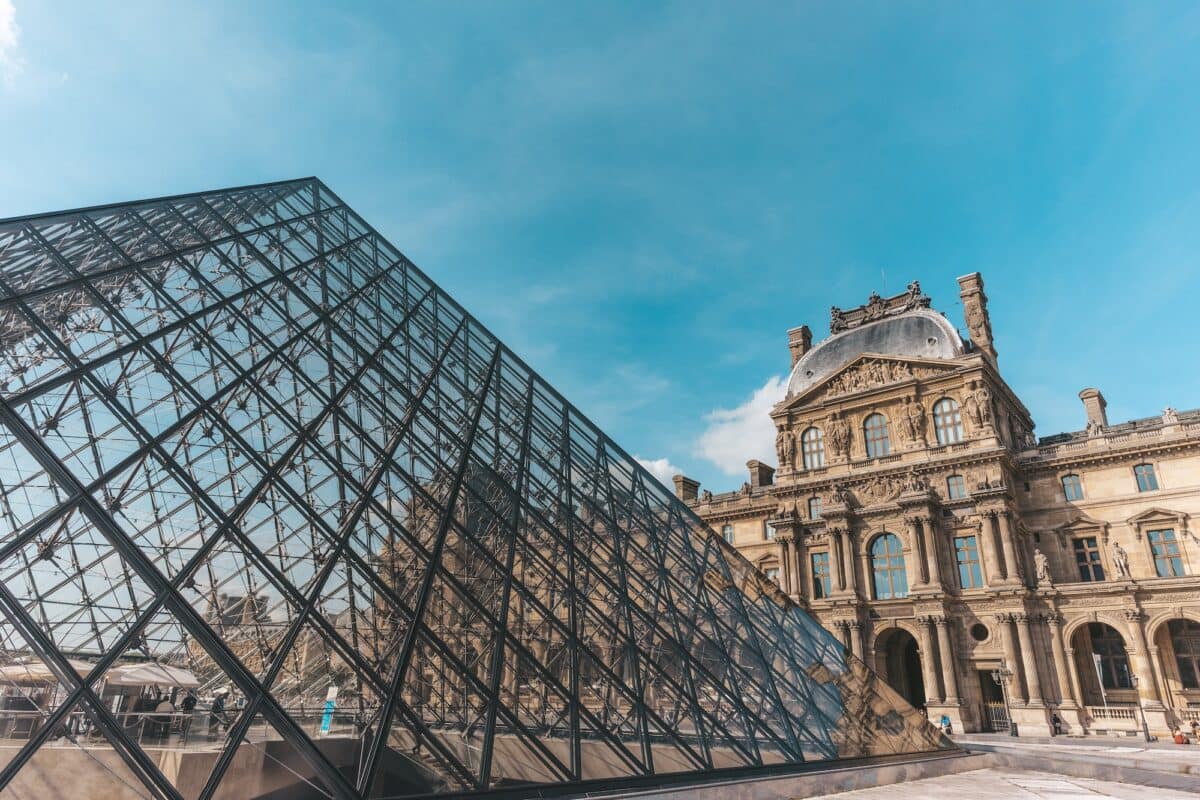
[(243, 434)]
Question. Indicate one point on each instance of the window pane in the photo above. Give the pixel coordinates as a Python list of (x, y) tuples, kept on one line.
[(820, 575), (1087, 558), (727, 532), (956, 488), (1146, 479), (1168, 562), (814, 507), (947, 421), (812, 445), (887, 563), (970, 575), (1072, 487), (875, 433)]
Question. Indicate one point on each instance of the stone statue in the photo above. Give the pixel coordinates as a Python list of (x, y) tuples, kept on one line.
[(874, 308), (907, 430), (983, 398), (915, 482), (837, 320), (839, 434), (791, 451), (1170, 416), (781, 448), (1043, 568), (706, 496), (1093, 428), (746, 488), (976, 321), (1120, 560)]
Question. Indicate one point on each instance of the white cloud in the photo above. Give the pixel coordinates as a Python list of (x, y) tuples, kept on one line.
[(736, 435), (660, 468), (10, 61)]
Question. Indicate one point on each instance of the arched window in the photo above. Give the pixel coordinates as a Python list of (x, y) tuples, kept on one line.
[(1185, 640), (887, 565), (1114, 664), (875, 434), (812, 445), (947, 421)]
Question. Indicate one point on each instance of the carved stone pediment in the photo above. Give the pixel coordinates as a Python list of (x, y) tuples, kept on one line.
[(869, 371), (1082, 524)]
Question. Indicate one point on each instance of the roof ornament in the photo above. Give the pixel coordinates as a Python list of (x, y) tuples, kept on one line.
[(877, 308)]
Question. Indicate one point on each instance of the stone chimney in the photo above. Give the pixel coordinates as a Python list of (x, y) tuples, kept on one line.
[(1094, 405), (760, 474), (975, 313), (685, 487), (799, 342)]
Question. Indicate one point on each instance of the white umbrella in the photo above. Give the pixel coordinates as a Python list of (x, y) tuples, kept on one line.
[(148, 673), (31, 671)]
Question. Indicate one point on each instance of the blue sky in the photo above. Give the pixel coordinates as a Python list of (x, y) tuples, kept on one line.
[(641, 199)]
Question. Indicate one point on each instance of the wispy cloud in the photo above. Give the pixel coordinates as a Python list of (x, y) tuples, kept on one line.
[(660, 468), (11, 63), (736, 435)]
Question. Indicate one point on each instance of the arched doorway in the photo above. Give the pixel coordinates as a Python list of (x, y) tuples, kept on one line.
[(1102, 664), (1178, 642), (898, 660)]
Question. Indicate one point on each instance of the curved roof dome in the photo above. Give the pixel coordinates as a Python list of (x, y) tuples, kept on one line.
[(920, 333)]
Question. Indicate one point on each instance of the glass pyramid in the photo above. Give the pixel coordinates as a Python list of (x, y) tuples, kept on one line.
[(279, 518)]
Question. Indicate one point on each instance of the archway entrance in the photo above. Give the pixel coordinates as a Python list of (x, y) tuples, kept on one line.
[(1102, 665), (898, 660), (1178, 642)]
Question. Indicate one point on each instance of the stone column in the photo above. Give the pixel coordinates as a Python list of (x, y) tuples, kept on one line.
[(921, 573), (987, 544), (835, 559), (844, 633), (929, 528), (1029, 660), (850, 561), (1062, 667), (928, 667), (1147, 687), (949, 673), (1012, 567), (785, 562), (1016, 689), (1072, 674), (800, 566), (856, 643)]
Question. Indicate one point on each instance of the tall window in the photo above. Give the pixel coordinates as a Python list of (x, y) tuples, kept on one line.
[(1087, 558), (772, 574), (820, 575), (768, 531), (1072, 487), (814, 508), (1185, 641), (887, 565), (956, 487), (1165, 548), (1114, 664), (947, 421), (1146, 480), (812, 446), (875, 433), (727, 532), (966, 552)]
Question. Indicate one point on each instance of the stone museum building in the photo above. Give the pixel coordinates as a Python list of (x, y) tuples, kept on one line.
[(988, 574)]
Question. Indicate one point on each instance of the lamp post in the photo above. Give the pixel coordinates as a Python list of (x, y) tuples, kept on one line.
[(1133, 679), (1002, 676)]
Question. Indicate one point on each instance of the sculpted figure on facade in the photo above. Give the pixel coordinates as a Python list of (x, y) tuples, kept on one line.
[(1093, 428), (781, 447), (706, 496), (838, 431), (983, 399), (874, 309), (977, 321), (912, 421), (1042, 565), (915, 482), (1170, 416), (790, 450), (1120, 560), (837, 320)]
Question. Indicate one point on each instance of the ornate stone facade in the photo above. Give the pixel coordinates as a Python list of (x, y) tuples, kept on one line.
[(915, 512)]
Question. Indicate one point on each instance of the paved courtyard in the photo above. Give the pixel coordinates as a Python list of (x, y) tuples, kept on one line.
[(1005, 784)]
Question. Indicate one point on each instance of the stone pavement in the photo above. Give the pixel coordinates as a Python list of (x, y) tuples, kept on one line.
[(1004, 783)]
